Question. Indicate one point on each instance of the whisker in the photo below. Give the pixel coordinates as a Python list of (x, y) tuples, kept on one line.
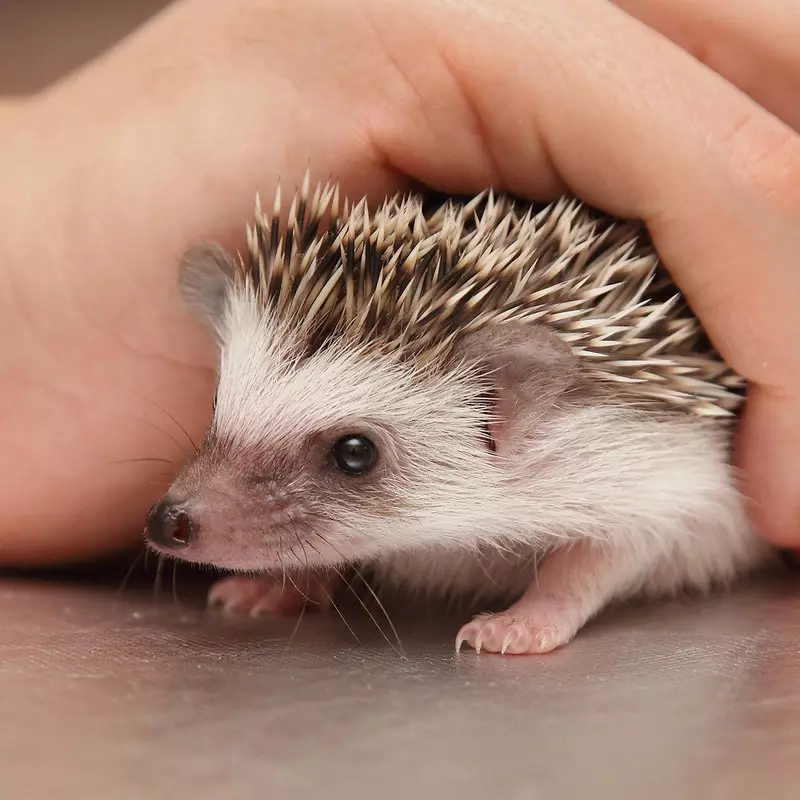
[(168, 435), (337, 609), (299, 539), (182, 429), (372, 617), (290, 551), (157, 584), (130, 571), (329, 595), (355, 594), (299, 617), (295, 629), (175, 583), (299, 591), (381, 607), (281, 564)]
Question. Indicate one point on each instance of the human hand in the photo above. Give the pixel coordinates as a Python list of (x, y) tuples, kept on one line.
[(163, 142), (755, 48)]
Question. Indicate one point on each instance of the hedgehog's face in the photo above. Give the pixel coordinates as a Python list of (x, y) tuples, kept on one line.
[(337, 456)]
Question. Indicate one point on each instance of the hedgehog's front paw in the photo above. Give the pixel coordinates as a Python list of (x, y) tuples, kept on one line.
[(265, 596), (510, 634)]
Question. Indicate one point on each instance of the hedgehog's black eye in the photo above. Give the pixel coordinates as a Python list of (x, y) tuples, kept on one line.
[(354, 454)]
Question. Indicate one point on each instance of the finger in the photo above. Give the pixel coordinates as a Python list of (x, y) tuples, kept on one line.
[(768, 444), (753, 45)]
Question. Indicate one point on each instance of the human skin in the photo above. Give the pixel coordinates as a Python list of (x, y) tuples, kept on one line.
[(110, 175)]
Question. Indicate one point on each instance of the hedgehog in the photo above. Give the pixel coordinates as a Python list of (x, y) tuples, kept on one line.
[(474, 398)]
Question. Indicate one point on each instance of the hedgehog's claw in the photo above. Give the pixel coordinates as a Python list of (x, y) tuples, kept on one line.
[(506, 634)]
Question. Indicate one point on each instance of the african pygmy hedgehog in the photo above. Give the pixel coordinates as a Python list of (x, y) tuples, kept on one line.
[(483, 399)]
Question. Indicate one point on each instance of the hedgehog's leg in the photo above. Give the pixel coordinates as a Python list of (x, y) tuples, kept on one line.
[(572, 585), (266, 595)]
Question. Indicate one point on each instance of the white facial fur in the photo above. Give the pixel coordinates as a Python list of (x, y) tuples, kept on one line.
[(422, 491)]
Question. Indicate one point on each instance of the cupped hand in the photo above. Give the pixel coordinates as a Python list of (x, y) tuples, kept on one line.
[(111, 174)]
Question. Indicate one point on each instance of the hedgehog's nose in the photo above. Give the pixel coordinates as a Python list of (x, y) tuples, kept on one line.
[(169, 526)]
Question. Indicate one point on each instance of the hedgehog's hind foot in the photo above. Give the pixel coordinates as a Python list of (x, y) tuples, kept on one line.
[(271, 596)]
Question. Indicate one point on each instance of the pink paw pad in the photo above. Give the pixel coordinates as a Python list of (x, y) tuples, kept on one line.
[(510, 635)]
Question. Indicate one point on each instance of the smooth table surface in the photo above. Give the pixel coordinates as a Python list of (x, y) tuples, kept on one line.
[(109, 695)]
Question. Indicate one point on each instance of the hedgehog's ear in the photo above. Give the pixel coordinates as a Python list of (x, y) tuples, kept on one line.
[(526, 368), (205, 277)]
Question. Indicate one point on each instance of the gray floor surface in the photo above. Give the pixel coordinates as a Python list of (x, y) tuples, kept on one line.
[(125, 695)]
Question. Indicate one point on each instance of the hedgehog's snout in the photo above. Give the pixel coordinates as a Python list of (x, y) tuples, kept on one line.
[(169, 526)]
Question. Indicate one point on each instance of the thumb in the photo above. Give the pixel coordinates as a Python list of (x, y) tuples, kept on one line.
[(768, 452)]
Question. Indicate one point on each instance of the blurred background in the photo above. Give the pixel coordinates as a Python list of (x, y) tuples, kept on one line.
[(41, 40)]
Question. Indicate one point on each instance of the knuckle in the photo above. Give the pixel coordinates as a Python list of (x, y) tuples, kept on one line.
[(764, 156)]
